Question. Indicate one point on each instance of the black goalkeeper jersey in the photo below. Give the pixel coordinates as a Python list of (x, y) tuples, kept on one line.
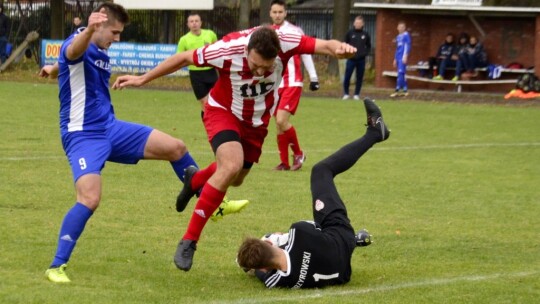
[(316, 256)]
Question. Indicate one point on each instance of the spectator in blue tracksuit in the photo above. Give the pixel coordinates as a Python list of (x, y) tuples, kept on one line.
[(360, 39), (444, 56), (403, 48), (4, 31)]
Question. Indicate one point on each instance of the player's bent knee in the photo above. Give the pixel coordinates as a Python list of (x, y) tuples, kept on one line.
[(180, 149), (174, 150), (231, 169), (319, 168), (90, 201)]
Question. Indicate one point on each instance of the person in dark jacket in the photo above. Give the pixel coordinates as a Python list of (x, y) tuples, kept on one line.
[(444, 59), (77, 24), (474, 57), (4, 31), (360, 39)]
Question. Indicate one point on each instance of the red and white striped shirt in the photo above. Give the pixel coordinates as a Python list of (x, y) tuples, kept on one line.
[(252, 99), (293, 76)]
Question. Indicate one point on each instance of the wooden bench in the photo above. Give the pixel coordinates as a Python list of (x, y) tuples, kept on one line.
[(503, 70), (459, 83)]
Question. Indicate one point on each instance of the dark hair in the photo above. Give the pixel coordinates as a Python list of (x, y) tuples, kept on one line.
[(194, 14), (278, 2), (463, 36), (265, 41), (114, 11), (255, 254)]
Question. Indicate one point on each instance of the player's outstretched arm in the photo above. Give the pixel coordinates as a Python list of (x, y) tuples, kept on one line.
[(49, 71), (80, 43), (338, 49), (169, 65)]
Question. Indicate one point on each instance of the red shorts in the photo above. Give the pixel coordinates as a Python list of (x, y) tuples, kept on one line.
[(252, 138), (289, 98)]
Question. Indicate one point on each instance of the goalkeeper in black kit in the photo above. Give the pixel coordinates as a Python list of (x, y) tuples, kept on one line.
[(316, 253)]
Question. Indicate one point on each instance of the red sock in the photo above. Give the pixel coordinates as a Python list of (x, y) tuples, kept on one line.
[(199, 179), (293, 141), (283, 147), (206, 205)]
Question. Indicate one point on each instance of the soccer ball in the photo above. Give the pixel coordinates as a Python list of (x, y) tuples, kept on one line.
[(363, 238)]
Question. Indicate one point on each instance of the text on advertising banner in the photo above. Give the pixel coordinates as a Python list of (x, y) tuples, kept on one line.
[(125, 57)]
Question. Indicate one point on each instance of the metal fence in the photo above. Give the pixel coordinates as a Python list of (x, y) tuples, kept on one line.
[(147, 26)]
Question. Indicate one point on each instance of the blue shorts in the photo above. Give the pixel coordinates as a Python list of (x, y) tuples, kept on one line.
[(87, 151)]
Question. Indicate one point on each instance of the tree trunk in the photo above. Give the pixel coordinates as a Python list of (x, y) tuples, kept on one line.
[(264, 12), (171, 39), (342, 11), (245, 12), (57, 19)]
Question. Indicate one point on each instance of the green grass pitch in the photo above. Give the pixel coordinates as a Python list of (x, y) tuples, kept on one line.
[(452, 200)]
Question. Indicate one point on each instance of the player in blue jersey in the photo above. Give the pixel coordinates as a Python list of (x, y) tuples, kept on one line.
[(403, 48), (91, 134)]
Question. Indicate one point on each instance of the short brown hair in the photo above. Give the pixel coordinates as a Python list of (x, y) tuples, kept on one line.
[(115, 11), (255, 254), (278, 2), (265, 41)]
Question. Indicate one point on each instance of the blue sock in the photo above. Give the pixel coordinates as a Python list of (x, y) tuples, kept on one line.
[(71, 230), (180, 165)]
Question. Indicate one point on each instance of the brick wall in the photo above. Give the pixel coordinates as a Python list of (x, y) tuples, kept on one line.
[(508, 39)]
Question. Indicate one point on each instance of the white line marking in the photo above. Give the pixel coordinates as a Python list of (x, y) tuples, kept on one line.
[(30, 158), (404, 148), (321, 294)]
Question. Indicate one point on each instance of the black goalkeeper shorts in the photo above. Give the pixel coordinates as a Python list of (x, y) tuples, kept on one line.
[(202, 82)]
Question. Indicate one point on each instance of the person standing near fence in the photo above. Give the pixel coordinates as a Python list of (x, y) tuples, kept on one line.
[(289, 92), (202, 78), (360, 39), (403, 48), (77, 24), (4, 31)]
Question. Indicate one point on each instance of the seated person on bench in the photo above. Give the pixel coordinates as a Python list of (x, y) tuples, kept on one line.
[(443, 58), (473, 57)]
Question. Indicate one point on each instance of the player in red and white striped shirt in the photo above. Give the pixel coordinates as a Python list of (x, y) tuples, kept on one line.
[(289, 92), (250, 64)]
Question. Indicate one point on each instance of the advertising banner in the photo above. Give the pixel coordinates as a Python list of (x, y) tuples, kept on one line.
[(126, 57)]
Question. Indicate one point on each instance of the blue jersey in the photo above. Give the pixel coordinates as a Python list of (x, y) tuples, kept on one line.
[(403, 45), (85, 102)]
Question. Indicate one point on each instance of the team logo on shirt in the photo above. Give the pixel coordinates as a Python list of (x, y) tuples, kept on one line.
[(319, 205), (104, 65), (254, 90)]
